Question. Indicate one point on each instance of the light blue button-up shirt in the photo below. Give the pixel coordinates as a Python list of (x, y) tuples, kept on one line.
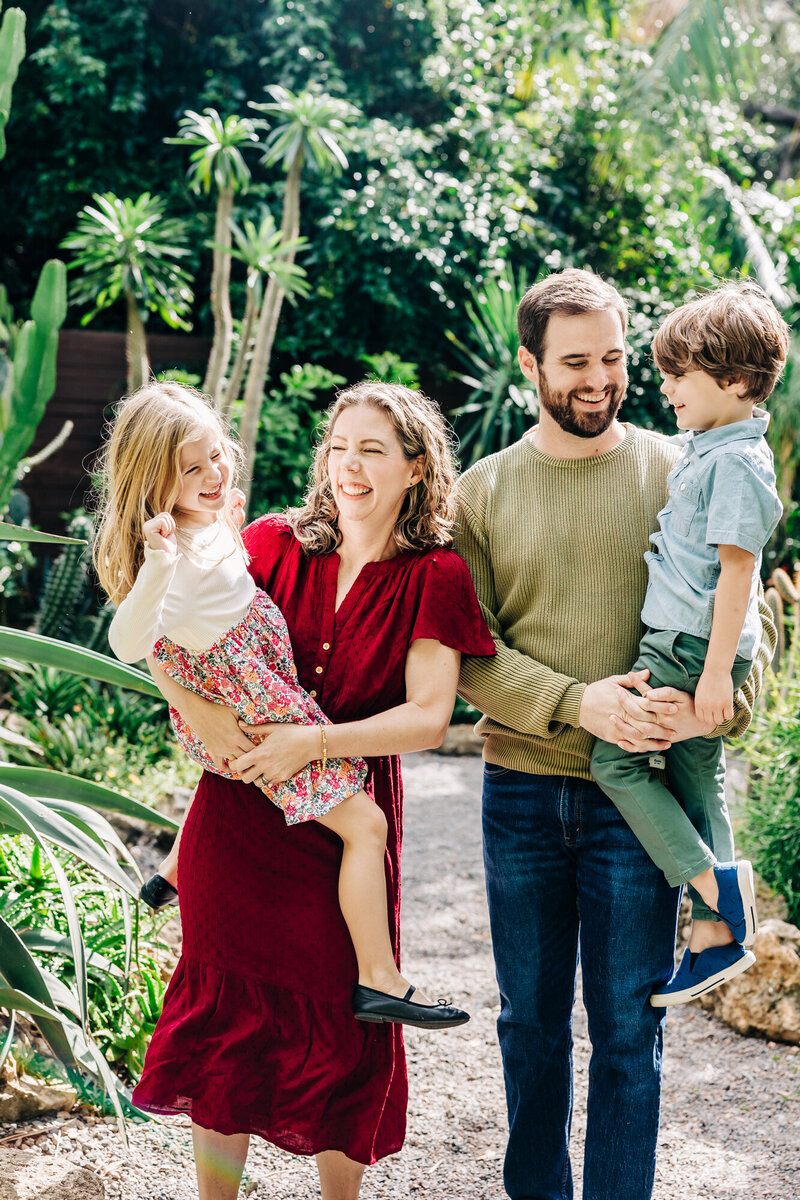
[(721, 492)]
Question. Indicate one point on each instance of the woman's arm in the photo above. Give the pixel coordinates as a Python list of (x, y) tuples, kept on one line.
[(216, 725), (431, 674)]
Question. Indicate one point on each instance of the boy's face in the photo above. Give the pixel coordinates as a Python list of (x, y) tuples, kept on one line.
[(701, 403)]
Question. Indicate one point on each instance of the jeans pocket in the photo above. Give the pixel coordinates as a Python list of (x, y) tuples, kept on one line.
[(495, 772)]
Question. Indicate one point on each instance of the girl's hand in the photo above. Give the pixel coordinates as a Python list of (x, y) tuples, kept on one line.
[(713, 699), (238, 501), (159, 533), (283, 750)]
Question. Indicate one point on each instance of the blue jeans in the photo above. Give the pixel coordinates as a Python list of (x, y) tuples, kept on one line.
[(565, 874)]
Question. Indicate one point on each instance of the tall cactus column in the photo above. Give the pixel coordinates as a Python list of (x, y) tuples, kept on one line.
[(28, 358)]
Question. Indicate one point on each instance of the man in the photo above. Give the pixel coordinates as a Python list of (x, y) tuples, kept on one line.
[(554, 529)]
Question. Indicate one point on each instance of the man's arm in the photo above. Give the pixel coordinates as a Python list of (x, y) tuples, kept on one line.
[(525, 695)]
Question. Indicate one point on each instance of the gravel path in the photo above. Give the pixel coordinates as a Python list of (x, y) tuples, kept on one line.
[(731, 1114)]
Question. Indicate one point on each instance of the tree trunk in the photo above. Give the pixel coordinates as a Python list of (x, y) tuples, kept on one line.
[(268, 323), (234, 384), (136, 346), (214, 382)]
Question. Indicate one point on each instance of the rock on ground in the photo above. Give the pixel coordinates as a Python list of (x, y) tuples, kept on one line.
[(25, 1176), (731, 1109), (765, 999)]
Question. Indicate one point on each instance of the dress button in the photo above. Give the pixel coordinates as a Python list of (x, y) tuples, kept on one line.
[(326, 645), (318, 670), (683, 485), (312, 694)]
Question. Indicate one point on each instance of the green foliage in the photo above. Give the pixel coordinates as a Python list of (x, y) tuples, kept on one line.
[(289, 419), (772, 830), (28, 374), (66, 583), (126, 247), (218, 155), (390, 368)]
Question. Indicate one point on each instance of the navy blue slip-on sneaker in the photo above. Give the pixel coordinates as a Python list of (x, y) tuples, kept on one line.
[(737, 899), (699, 973)]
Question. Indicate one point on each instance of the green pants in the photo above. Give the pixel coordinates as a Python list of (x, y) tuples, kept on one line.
[(684, 825)]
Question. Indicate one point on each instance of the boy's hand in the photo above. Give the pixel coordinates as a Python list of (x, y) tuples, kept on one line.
[(238, 500), (159, 533), (713, 700)]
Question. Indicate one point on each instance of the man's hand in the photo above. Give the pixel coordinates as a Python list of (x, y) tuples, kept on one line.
[(159, 533), (611, 711), (683, 721)]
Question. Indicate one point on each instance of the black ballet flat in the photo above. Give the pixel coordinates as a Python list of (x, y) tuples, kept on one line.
[(371, 1005), (158, 892)]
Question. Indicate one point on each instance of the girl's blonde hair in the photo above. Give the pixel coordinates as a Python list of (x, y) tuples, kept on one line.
[(427, 515), (140, 474)]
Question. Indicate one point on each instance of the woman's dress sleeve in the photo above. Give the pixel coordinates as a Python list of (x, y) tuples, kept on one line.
[(447, 609)]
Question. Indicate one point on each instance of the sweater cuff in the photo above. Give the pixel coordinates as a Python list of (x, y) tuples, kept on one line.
[(569, 706)]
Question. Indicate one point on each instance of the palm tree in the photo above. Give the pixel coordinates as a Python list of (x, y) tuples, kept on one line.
[(260, 248), (310, 128), (128, 249), (218, 159)]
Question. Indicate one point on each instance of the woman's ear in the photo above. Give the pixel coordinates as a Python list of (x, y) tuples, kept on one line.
[(417, 469)]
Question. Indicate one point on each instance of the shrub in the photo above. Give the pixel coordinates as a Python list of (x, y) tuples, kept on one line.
[(772, 832)]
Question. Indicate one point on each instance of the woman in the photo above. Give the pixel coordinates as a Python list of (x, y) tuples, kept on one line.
[(257, 1033)]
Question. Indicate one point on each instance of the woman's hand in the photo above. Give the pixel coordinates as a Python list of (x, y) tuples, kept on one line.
[(282, 751)]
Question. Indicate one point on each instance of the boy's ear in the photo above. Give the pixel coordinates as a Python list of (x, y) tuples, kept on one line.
[(736, 387)]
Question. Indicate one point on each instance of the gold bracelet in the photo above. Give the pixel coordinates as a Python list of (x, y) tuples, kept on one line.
[(324, 749)]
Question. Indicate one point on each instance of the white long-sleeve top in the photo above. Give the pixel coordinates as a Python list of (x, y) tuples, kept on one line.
[(192, 595)]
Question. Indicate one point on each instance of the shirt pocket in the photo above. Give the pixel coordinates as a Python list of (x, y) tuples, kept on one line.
[(685, 502)]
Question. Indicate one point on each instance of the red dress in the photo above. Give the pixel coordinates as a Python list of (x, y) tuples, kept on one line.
[(257, 1033)]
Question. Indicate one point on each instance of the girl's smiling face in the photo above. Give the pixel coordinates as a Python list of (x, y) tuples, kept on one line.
[(205, 479), (369, 473)]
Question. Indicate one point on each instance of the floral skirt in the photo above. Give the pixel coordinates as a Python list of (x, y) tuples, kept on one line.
[(251, 669)]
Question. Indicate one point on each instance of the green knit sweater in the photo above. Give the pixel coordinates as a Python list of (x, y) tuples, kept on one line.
[(556, 551)]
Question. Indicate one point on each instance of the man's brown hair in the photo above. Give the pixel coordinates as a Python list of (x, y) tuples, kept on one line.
[(733, 334), (572, 292)]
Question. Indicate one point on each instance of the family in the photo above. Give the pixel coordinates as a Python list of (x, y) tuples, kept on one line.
[(594, 591)]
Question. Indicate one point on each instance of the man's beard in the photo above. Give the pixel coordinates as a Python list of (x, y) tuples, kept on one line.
[(583, 423)]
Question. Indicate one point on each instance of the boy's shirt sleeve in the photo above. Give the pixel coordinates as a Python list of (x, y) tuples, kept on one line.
[(743, 504)]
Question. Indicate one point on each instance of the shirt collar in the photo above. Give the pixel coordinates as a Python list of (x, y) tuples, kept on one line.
[(739, 431)]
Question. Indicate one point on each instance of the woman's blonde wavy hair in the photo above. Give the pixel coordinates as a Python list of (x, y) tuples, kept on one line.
[(139, 474), (428, 512)]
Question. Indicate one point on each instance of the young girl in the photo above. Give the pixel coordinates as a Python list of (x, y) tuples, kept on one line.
[(169, 553)]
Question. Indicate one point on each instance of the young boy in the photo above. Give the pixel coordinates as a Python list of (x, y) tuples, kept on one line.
[(720, 357)]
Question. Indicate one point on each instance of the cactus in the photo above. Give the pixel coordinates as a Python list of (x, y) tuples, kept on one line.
[(65, 587), (782, 592), (27, 355), (12, 52)]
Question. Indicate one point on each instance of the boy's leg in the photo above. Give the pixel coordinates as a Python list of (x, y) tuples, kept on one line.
[(655, 814), (627, 939), (529, 830)]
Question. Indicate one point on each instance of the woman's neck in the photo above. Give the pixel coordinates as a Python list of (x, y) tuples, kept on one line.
[(360, 546)]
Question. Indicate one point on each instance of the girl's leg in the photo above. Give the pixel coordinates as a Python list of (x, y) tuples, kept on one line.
[(168, 868), (362, 892), (219, 1160), (339, 1177)]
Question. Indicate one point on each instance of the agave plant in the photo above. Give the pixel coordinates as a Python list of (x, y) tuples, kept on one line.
[(60, 812), (499, 409)]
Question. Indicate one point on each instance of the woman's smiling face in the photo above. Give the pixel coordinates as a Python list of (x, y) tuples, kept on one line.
[(369, 473)]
